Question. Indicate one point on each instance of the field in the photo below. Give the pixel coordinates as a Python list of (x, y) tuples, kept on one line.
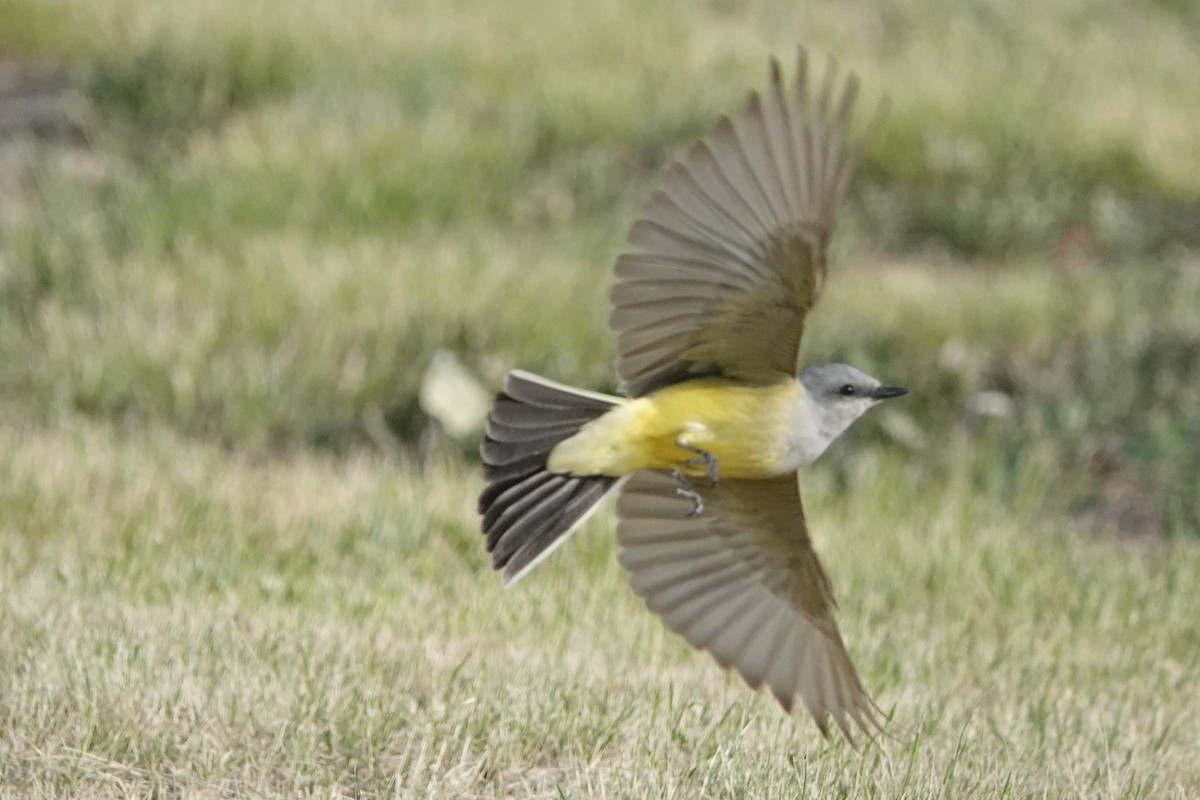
[(238, 557)]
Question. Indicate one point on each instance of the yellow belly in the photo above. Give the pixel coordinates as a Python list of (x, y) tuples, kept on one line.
[(744, 427)]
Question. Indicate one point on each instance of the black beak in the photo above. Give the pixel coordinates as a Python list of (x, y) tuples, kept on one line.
[(884, 392)]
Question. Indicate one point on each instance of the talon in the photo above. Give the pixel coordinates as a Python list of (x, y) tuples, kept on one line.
[(703, 458), (697, 503), (685, 489)]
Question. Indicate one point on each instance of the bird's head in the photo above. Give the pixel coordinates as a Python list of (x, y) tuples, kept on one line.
[(838, 394)]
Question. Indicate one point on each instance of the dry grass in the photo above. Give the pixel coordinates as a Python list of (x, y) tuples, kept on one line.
[(180, 620)]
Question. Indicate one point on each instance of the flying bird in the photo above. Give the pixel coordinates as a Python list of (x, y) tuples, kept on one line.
[(708, 308)]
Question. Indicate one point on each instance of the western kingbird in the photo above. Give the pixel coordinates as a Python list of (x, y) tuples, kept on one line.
[(708, 308)]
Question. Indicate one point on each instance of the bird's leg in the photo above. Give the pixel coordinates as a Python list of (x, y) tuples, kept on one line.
[(685, 489), (703, 458)]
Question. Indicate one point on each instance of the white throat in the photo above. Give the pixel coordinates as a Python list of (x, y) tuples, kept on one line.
[(815, 424), (808, 436)]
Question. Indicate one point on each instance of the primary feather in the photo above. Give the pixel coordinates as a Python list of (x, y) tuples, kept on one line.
[(738, 227)]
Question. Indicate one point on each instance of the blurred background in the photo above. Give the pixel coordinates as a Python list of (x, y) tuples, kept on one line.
[(258, 225), (262, 264)]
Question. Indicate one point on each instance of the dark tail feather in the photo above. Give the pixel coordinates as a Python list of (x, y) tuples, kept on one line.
[(526, 509)]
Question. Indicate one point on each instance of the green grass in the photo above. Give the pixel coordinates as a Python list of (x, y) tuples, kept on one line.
[(215, 583), (180, 619), (260, 171)]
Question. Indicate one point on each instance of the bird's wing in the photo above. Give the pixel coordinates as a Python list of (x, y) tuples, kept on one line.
[(742, 581), (729, 255)]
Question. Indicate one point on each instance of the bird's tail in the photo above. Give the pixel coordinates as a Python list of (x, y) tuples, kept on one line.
[(527, 510)]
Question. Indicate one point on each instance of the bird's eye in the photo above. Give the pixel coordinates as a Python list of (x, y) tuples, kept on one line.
[(846, 391)]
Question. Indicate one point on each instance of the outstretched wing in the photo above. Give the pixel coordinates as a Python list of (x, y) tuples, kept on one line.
[(742, 581), (729, 254)]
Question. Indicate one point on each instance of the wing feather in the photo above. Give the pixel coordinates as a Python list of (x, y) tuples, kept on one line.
[(742, 581), (783, 673), (688, 222), (755, 143), (634, 268), (690, 196), (739, 224), (760, 651), (728, 635)]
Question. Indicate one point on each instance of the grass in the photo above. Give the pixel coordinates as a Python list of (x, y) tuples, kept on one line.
[(182, 620), (214, 581)]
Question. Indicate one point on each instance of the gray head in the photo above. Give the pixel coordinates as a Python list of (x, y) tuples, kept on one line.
[(838, 394)]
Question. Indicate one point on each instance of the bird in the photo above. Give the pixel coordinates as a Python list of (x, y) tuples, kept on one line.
[(708, 306)]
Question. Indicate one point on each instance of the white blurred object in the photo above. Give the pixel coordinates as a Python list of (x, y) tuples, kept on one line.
[(451, 395), (956, 357), (903, 429), (996, 405)]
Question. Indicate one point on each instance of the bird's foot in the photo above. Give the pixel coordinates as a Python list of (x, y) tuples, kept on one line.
[(703, 459), (686, 490)]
